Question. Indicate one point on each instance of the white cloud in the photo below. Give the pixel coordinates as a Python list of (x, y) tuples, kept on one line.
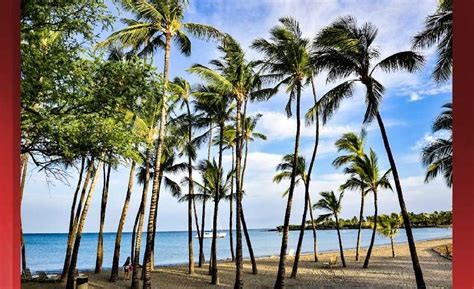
[(415, 97)]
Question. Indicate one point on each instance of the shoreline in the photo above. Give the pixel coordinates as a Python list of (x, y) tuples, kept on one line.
[(383, 272), (263, 257)]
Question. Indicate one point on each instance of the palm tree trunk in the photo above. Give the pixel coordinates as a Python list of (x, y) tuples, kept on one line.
[(244, 223), (420, 282), (231, 208), (341, 249), (203, 217), (196, 219), (280, 281), (313, 228), (77, 242), (215, 278), (359, 231), (249, 244), (140, 219), (393, 247), (191, 198), (103, 207), (147, 266), (74, 219), (118, 238), (372, 240), (307, 202), (24, 170), (238, 205)]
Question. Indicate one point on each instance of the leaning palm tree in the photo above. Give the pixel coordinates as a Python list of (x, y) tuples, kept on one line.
[(389, 226), (311, 116), (80, 226), (233, 76), (157, 25), (437, 156), (330, 202), (219, 107), (354, 145), (346, 49), (439, 30), (366, 170), (248, 135), (229, 143), (286, 60), (217, 186), (284, 171), (182, 89)]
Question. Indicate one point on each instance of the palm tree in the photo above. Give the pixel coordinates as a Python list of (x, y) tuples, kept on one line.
[(354, 145), (439, 30), (366, 170), (437, 156), (346, 49), (118, 238), (229, 142), (286, 59), (103, 207), (157, 24), (284, 171), (217, 188), (75, 215), (248, 135), (234, 77), (182, 89), (389, 226), (312, 116), (24, 170), (80, 226), (330, 202)]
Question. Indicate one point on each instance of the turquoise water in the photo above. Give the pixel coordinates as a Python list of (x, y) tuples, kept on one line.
[(45, 252)]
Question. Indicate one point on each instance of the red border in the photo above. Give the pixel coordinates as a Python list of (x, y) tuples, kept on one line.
[(463, 194), (9, 144), (463, 104)]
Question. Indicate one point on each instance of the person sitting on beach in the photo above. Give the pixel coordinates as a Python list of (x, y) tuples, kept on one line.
[(127, 268)]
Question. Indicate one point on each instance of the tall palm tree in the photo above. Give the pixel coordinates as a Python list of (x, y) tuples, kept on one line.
[(389, 226), (103, 208), (248, 135), (157, 25), (229, 143), (312, 116), (218, 107), (330, 202), (205, 119), (437, 156), (354, 145), (439, 30), (75, 215), (346, 49), (80, 226), (366, 169), (284, 171), (217, 187), (287, 61), (233, 76), (182, 89)]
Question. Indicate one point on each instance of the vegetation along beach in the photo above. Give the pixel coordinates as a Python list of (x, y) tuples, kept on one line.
[(190, 144)]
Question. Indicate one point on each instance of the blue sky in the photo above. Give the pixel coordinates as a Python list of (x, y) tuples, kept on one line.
[(410, 104)]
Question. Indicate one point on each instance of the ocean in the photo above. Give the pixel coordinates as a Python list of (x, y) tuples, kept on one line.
[(45, 252)]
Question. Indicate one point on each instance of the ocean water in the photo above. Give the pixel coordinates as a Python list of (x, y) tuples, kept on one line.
[(45, 252)]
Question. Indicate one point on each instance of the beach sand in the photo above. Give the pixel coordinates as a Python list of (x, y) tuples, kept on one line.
[(383, 272)]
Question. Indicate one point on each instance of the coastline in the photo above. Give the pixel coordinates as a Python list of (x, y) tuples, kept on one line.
[(384, 271)]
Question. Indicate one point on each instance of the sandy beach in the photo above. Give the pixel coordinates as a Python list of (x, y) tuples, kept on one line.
[(383, 272)]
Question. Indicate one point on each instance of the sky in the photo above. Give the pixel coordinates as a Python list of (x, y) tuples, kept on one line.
[(411, 102)]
